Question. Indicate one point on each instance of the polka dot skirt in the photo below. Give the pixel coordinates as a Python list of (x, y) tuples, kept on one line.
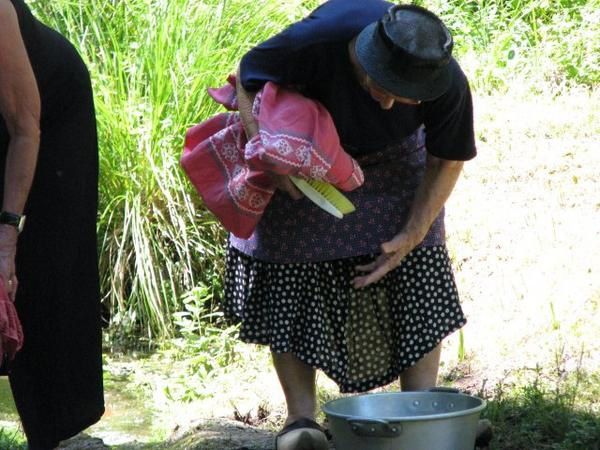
[(361, 339)]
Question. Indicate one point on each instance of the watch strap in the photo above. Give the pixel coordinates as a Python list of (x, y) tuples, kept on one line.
[(13, 219)]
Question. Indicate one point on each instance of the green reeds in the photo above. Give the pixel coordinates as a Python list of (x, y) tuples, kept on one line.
[(151, 62)]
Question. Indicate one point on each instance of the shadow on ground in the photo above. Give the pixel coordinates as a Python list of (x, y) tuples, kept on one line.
[(536, 421)]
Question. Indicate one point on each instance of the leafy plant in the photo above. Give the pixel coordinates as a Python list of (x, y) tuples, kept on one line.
[(509, 42), (537, 415), (206, 343), (12, 439)]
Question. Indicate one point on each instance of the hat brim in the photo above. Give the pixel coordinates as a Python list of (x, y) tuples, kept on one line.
[(375, 60)]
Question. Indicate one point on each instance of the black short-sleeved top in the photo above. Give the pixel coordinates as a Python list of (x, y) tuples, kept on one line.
[(312, 56)]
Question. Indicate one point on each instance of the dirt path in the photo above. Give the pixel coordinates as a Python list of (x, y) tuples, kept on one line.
[(224, 434), (206, 434)]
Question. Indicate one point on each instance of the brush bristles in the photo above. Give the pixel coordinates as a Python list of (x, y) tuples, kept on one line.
[(335, 197)]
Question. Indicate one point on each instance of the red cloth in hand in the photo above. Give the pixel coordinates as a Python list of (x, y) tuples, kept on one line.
[(296, 136), (11, 333)]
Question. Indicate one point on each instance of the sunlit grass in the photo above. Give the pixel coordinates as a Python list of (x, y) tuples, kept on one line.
[(543, 46)]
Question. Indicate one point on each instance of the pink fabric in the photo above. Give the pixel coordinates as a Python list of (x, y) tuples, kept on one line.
[(296, 137), (11, 333)]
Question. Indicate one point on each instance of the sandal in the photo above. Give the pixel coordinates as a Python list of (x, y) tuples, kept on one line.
[(484, 434), (303, 434)]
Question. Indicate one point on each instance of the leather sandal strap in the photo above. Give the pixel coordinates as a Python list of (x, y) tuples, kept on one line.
[(301, 423)]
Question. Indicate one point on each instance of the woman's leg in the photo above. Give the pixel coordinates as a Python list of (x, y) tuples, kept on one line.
[(297, 380), (298, 383), (424, 373)]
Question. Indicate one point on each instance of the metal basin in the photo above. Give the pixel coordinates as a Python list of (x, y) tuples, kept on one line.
[(404, 421)]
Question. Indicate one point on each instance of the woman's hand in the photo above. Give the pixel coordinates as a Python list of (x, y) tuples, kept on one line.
[(8, 250), (283, 183), (20, 108), (245, 102), (435, 188), (392, 254)]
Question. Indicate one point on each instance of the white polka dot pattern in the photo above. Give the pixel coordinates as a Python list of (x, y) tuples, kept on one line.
[(362, 339)]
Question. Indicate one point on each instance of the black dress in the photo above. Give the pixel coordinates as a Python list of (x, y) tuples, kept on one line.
[(57, 377)]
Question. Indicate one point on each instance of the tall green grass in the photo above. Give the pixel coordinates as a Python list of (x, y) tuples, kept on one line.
[(151, 62)]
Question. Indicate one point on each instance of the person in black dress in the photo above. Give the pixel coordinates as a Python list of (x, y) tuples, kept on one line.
[(49, 169)]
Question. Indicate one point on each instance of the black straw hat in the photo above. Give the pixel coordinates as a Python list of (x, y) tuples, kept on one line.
[(407, 53)]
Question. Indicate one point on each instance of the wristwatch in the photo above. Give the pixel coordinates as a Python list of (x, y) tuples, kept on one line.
[(15, 220)]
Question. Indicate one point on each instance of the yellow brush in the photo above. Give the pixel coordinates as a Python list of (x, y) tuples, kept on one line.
[(325, 196)]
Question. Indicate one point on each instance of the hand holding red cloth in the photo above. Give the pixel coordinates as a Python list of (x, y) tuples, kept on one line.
[(11, 332), (296, 136)]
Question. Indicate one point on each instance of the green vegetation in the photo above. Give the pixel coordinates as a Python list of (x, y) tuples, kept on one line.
[(543, 415), (545, 45), (12, 440)]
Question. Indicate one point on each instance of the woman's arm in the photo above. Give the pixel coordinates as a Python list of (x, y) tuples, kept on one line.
[(20, 109), (437, 185), (245, 101)]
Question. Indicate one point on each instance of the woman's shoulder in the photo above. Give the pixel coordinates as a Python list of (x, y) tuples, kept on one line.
[(335, 21)]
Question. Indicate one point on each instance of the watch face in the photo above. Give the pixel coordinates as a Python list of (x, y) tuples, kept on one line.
[(15, 220)]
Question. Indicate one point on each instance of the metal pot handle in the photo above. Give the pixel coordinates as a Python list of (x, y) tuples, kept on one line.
[(374, 427), (447, 390)]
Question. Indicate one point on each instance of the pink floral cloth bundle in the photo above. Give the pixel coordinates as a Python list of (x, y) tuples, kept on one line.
[(296, 136)]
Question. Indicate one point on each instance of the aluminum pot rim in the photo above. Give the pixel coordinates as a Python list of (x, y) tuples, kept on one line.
[(440, 416)]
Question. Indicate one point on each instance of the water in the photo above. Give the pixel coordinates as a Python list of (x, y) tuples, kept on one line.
[(129, 416)]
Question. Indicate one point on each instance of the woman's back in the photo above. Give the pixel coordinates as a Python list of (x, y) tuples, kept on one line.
[(53, 59)]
